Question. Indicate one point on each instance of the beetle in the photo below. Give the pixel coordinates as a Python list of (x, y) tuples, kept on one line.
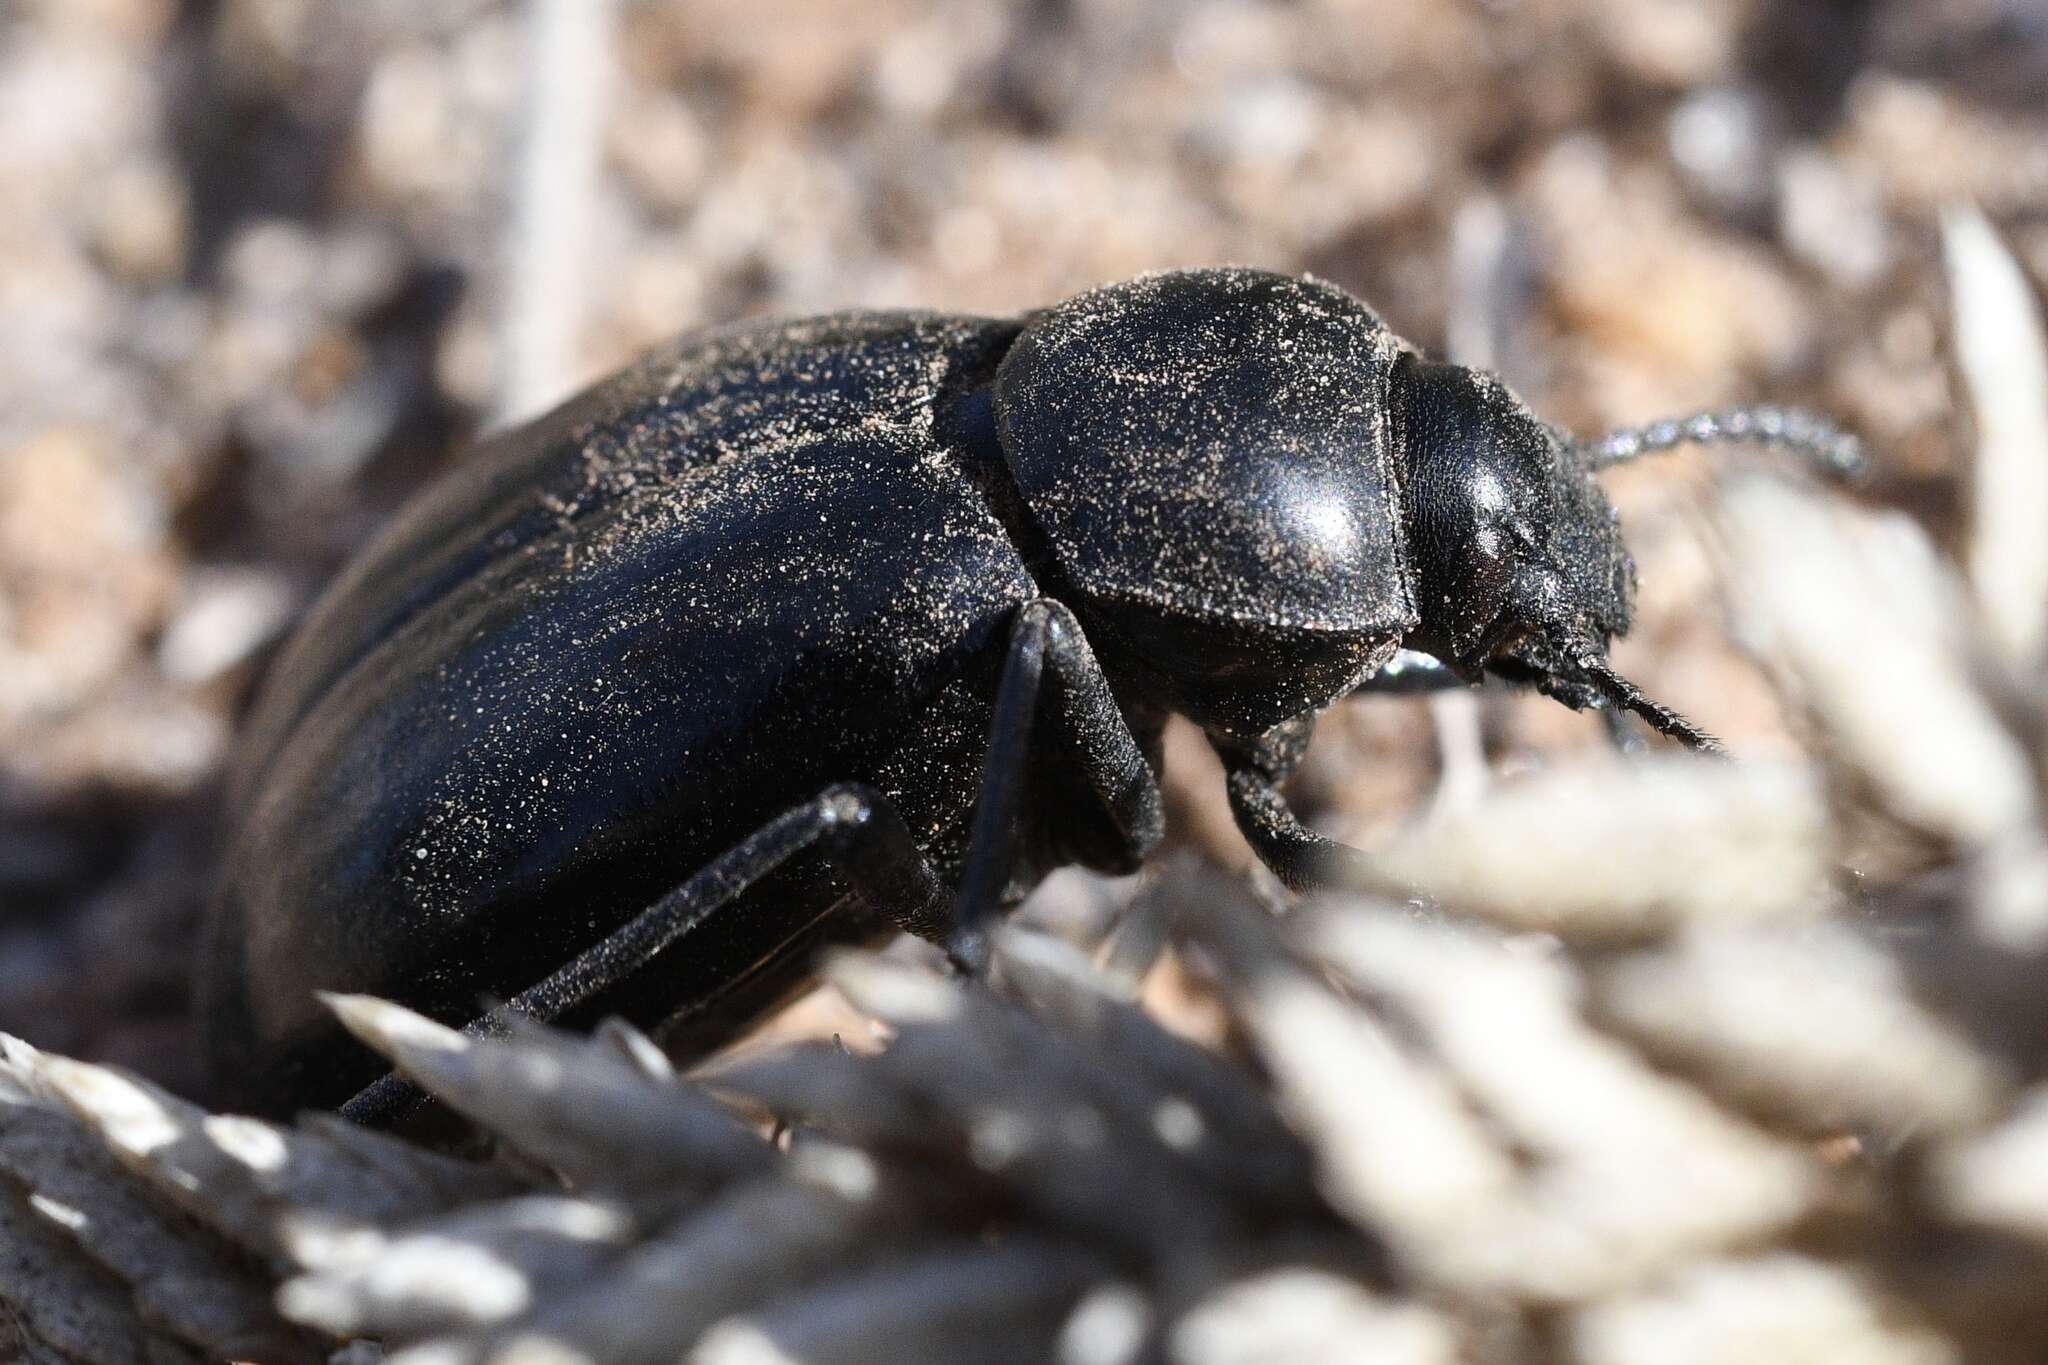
[(805, 632)]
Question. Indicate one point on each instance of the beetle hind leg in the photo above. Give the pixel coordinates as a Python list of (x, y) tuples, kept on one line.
[(857, 830)]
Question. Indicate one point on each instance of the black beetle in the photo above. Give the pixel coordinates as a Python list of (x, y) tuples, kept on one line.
[(781, 635)]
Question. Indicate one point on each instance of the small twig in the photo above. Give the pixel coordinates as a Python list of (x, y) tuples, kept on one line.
[(570, 71)]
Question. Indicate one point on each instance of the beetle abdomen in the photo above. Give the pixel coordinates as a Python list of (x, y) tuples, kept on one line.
[(517, 763), (708, 397)]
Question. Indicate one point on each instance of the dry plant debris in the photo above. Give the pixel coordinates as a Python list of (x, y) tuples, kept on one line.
[(1440, 1141)]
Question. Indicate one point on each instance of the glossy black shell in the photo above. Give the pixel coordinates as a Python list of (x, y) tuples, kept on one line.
[(1210, 454), (771, 558)]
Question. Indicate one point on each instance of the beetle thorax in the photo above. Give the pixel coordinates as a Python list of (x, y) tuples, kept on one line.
[(1208, 456)]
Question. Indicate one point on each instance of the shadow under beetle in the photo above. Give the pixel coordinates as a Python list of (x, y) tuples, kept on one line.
[(781, 636)]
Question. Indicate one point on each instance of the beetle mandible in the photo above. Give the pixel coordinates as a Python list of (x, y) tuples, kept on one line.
[(803, 632)]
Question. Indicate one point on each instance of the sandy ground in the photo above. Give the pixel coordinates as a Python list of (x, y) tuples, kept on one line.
[(254, 263)]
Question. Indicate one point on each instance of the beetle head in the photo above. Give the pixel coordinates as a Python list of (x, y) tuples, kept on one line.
[(1520, 566)]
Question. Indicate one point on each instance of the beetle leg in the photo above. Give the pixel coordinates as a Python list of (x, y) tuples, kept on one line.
[(1046, 633), (860, 832), (1094, 725), (856, 829), (862, 835), (1302, 859)]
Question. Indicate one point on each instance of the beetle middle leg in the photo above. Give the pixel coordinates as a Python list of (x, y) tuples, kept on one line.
[(1086, 718)]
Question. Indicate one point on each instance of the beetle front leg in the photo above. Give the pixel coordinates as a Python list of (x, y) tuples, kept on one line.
[(1411, 673), (1046, 638), (1302, 859)]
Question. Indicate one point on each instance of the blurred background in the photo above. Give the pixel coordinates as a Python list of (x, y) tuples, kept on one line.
[(267, 265)]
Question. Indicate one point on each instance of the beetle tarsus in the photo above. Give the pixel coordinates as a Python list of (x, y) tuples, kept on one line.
[(385, 1102), (968, 952)]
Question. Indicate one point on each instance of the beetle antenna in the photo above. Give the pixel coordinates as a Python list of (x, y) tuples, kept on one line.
[(1834, 450), (1623, 693)]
